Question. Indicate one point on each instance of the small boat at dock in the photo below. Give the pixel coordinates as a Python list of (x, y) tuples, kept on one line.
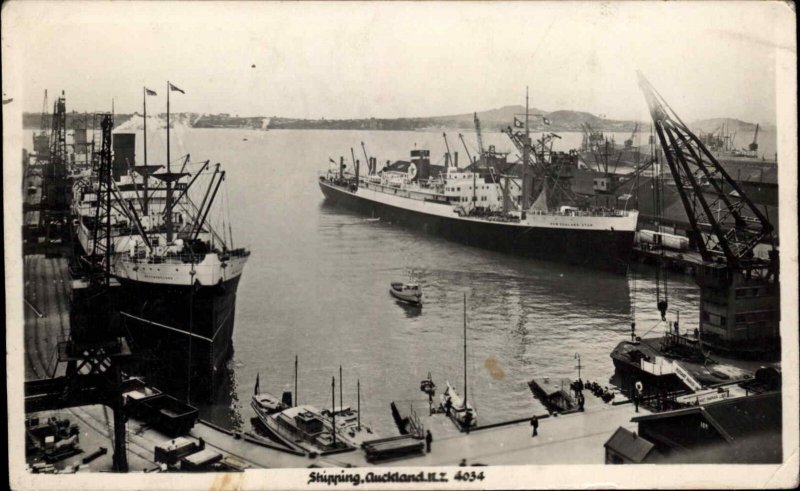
[(458, 407), (410, 293), (265, 404), (459, 410), (555, 395), (349, 426), (306, 429)]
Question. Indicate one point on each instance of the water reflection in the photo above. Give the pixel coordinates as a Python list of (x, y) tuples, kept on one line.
[(411, 311)]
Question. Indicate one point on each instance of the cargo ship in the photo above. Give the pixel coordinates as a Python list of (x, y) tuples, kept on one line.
[(178, 274), (489, 203)]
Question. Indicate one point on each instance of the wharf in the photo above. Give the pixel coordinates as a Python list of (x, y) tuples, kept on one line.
[(574, 438), (684, 261)]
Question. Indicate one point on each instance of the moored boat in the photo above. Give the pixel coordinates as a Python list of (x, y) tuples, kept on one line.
[(349, 426), (265, 404), (555, 395), (305, 429), (458, 407)]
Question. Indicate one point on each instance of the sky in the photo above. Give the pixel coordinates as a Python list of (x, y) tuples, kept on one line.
[(352, 60)]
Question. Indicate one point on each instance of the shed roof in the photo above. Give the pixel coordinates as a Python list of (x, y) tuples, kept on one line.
[(734, 418), (629, 445)]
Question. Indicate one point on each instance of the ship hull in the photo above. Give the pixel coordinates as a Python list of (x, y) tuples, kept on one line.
[(182, 333), (602, 249)]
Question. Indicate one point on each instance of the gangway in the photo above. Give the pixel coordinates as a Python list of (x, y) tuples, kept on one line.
[(686, 377)]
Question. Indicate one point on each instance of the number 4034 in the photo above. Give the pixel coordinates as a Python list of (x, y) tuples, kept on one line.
[(469, 476)]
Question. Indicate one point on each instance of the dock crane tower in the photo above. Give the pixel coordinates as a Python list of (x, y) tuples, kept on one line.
[(753, 147), (479, 135), (629, 141), (41, 139), (739, 291)]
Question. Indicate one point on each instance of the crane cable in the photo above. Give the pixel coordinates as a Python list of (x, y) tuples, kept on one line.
[(658, 212)]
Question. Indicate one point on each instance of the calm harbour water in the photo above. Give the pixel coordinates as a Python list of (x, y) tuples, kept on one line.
[(316, 286), (317, 283)]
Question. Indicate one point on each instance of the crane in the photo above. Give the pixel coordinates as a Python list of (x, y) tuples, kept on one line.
[(739, 308), (754, 146), (43, 122), (629, 141), (461, 137), (480, 135)]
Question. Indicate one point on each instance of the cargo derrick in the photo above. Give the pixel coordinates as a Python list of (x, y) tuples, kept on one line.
[(55, 200), (41, 141), (95, 352), (739, 292)]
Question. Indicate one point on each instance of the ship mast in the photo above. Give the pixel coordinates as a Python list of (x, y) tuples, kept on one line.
[(465, 350), (169, 180), (146, 173), (525, 149)]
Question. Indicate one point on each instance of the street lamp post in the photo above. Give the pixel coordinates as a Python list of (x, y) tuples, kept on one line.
[(578, 357)]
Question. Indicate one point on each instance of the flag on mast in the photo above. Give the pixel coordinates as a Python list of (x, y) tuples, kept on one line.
[(149, 92), (172, 87), (545, 120), (518, 123)]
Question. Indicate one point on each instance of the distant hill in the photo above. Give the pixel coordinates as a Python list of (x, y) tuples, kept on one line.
[(731, 125), (491, 120)]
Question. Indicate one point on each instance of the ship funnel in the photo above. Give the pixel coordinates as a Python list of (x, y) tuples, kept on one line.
[(422, 159)]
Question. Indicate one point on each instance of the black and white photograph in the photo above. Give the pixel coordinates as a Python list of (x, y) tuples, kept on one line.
[(400, 245)]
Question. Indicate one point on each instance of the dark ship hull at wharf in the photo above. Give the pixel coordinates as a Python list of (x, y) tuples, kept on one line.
[(182, 332), (595, 248)]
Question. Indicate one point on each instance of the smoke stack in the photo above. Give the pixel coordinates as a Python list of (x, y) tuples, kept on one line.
[(124, 145), (455, 159)]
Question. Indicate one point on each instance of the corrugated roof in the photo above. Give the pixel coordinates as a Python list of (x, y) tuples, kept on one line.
[(742, 417), (629, 445), (734, 418)]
